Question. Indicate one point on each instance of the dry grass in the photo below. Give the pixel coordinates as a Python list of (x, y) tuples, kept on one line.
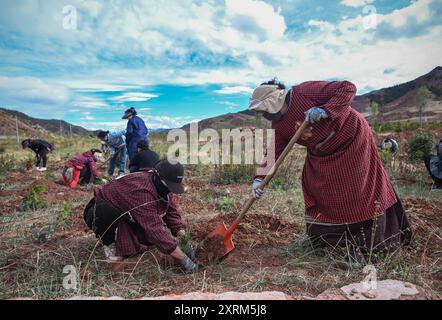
[(31, 264)]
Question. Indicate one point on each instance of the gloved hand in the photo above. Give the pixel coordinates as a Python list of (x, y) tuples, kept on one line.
[(316, 114), (188, 265), (257, 193)]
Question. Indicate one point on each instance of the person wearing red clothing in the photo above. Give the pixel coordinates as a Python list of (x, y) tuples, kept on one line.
[(128, 214), (348, 195), (81, 168)]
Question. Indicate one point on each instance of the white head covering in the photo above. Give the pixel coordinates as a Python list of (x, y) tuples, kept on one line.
[(267, 98)]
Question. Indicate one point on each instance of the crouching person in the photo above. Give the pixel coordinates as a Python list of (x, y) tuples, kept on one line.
[(129, 213), (434, 165), (81, 169), (145, 159)]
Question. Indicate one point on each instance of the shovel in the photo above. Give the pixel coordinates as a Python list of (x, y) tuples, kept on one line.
[(223, 233)]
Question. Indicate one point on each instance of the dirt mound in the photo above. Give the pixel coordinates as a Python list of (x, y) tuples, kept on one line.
[(426, 220), (210, 250), (23, 177), (254, 229)]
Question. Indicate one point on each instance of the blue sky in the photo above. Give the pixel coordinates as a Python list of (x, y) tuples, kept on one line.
[(181, 61)]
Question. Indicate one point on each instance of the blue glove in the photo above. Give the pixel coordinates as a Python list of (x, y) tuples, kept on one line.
[(316, 114), (257, 193)]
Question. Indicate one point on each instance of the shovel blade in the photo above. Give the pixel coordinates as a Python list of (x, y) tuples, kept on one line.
[(222, 231)]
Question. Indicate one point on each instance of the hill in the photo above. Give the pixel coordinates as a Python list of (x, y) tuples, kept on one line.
[(32, 127), (397, 103)]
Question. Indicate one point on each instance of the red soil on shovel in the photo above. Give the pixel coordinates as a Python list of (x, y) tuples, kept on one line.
[(210, 250)]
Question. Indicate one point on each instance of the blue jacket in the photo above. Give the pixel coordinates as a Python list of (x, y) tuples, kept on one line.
[(136, 130), (115, 140)]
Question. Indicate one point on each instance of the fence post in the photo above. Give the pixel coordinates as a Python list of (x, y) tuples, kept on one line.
[(16, 129)]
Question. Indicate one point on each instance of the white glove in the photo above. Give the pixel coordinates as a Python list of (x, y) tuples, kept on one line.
[(257, 193)]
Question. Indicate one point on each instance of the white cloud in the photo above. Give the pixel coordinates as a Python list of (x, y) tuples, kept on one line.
[(89, 102), (235, 90), (258, 17), (135, 97), (87, 116), (229, 105), (29, 89), (152, 122), (356, 3), (124, 47)]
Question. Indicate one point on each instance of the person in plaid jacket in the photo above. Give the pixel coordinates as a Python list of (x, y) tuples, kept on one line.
[(348, 195), (129, 214)]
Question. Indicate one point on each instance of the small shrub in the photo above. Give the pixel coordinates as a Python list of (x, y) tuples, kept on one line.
[(33, 201), (419, 146), (386, 157), (64, 218), (7, 163), (50, 176), (209, 195), (225, 204), (186, 244), (281, 181), (231, 174)]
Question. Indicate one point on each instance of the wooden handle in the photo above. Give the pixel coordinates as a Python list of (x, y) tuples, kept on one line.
[(269, 177)]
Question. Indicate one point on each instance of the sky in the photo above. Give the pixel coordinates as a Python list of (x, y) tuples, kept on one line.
[(178, 61)]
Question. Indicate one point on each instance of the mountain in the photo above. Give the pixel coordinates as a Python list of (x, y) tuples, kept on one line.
[(397, 103), (32, 127), (232, 120)]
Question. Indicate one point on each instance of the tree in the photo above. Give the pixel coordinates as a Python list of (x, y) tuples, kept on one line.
[(422, 100), (419, 146), (374, 108)]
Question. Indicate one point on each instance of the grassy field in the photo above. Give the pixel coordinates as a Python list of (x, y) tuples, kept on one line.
[(42, 232)]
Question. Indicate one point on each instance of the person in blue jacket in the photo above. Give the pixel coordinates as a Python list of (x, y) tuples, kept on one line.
[(136, 131), (116, 142)]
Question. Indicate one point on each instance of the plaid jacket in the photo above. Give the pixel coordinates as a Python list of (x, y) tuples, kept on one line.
[(85, 159), (343, 178), (136, 193)]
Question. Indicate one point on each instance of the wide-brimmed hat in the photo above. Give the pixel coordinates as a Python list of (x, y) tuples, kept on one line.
[(267, 98), (129, 112), (172, 175)]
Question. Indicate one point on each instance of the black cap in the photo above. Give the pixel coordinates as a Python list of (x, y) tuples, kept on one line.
[(172, 175), (93, 150), (143, 145), (102, 134)]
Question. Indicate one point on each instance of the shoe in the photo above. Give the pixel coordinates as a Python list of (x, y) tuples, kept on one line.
[(121, 175), (109, 252), (43, 169)]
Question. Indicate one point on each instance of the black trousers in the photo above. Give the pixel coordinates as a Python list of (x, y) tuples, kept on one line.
[(437, 181), (42, 156), (85, 175), (102, 218)]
